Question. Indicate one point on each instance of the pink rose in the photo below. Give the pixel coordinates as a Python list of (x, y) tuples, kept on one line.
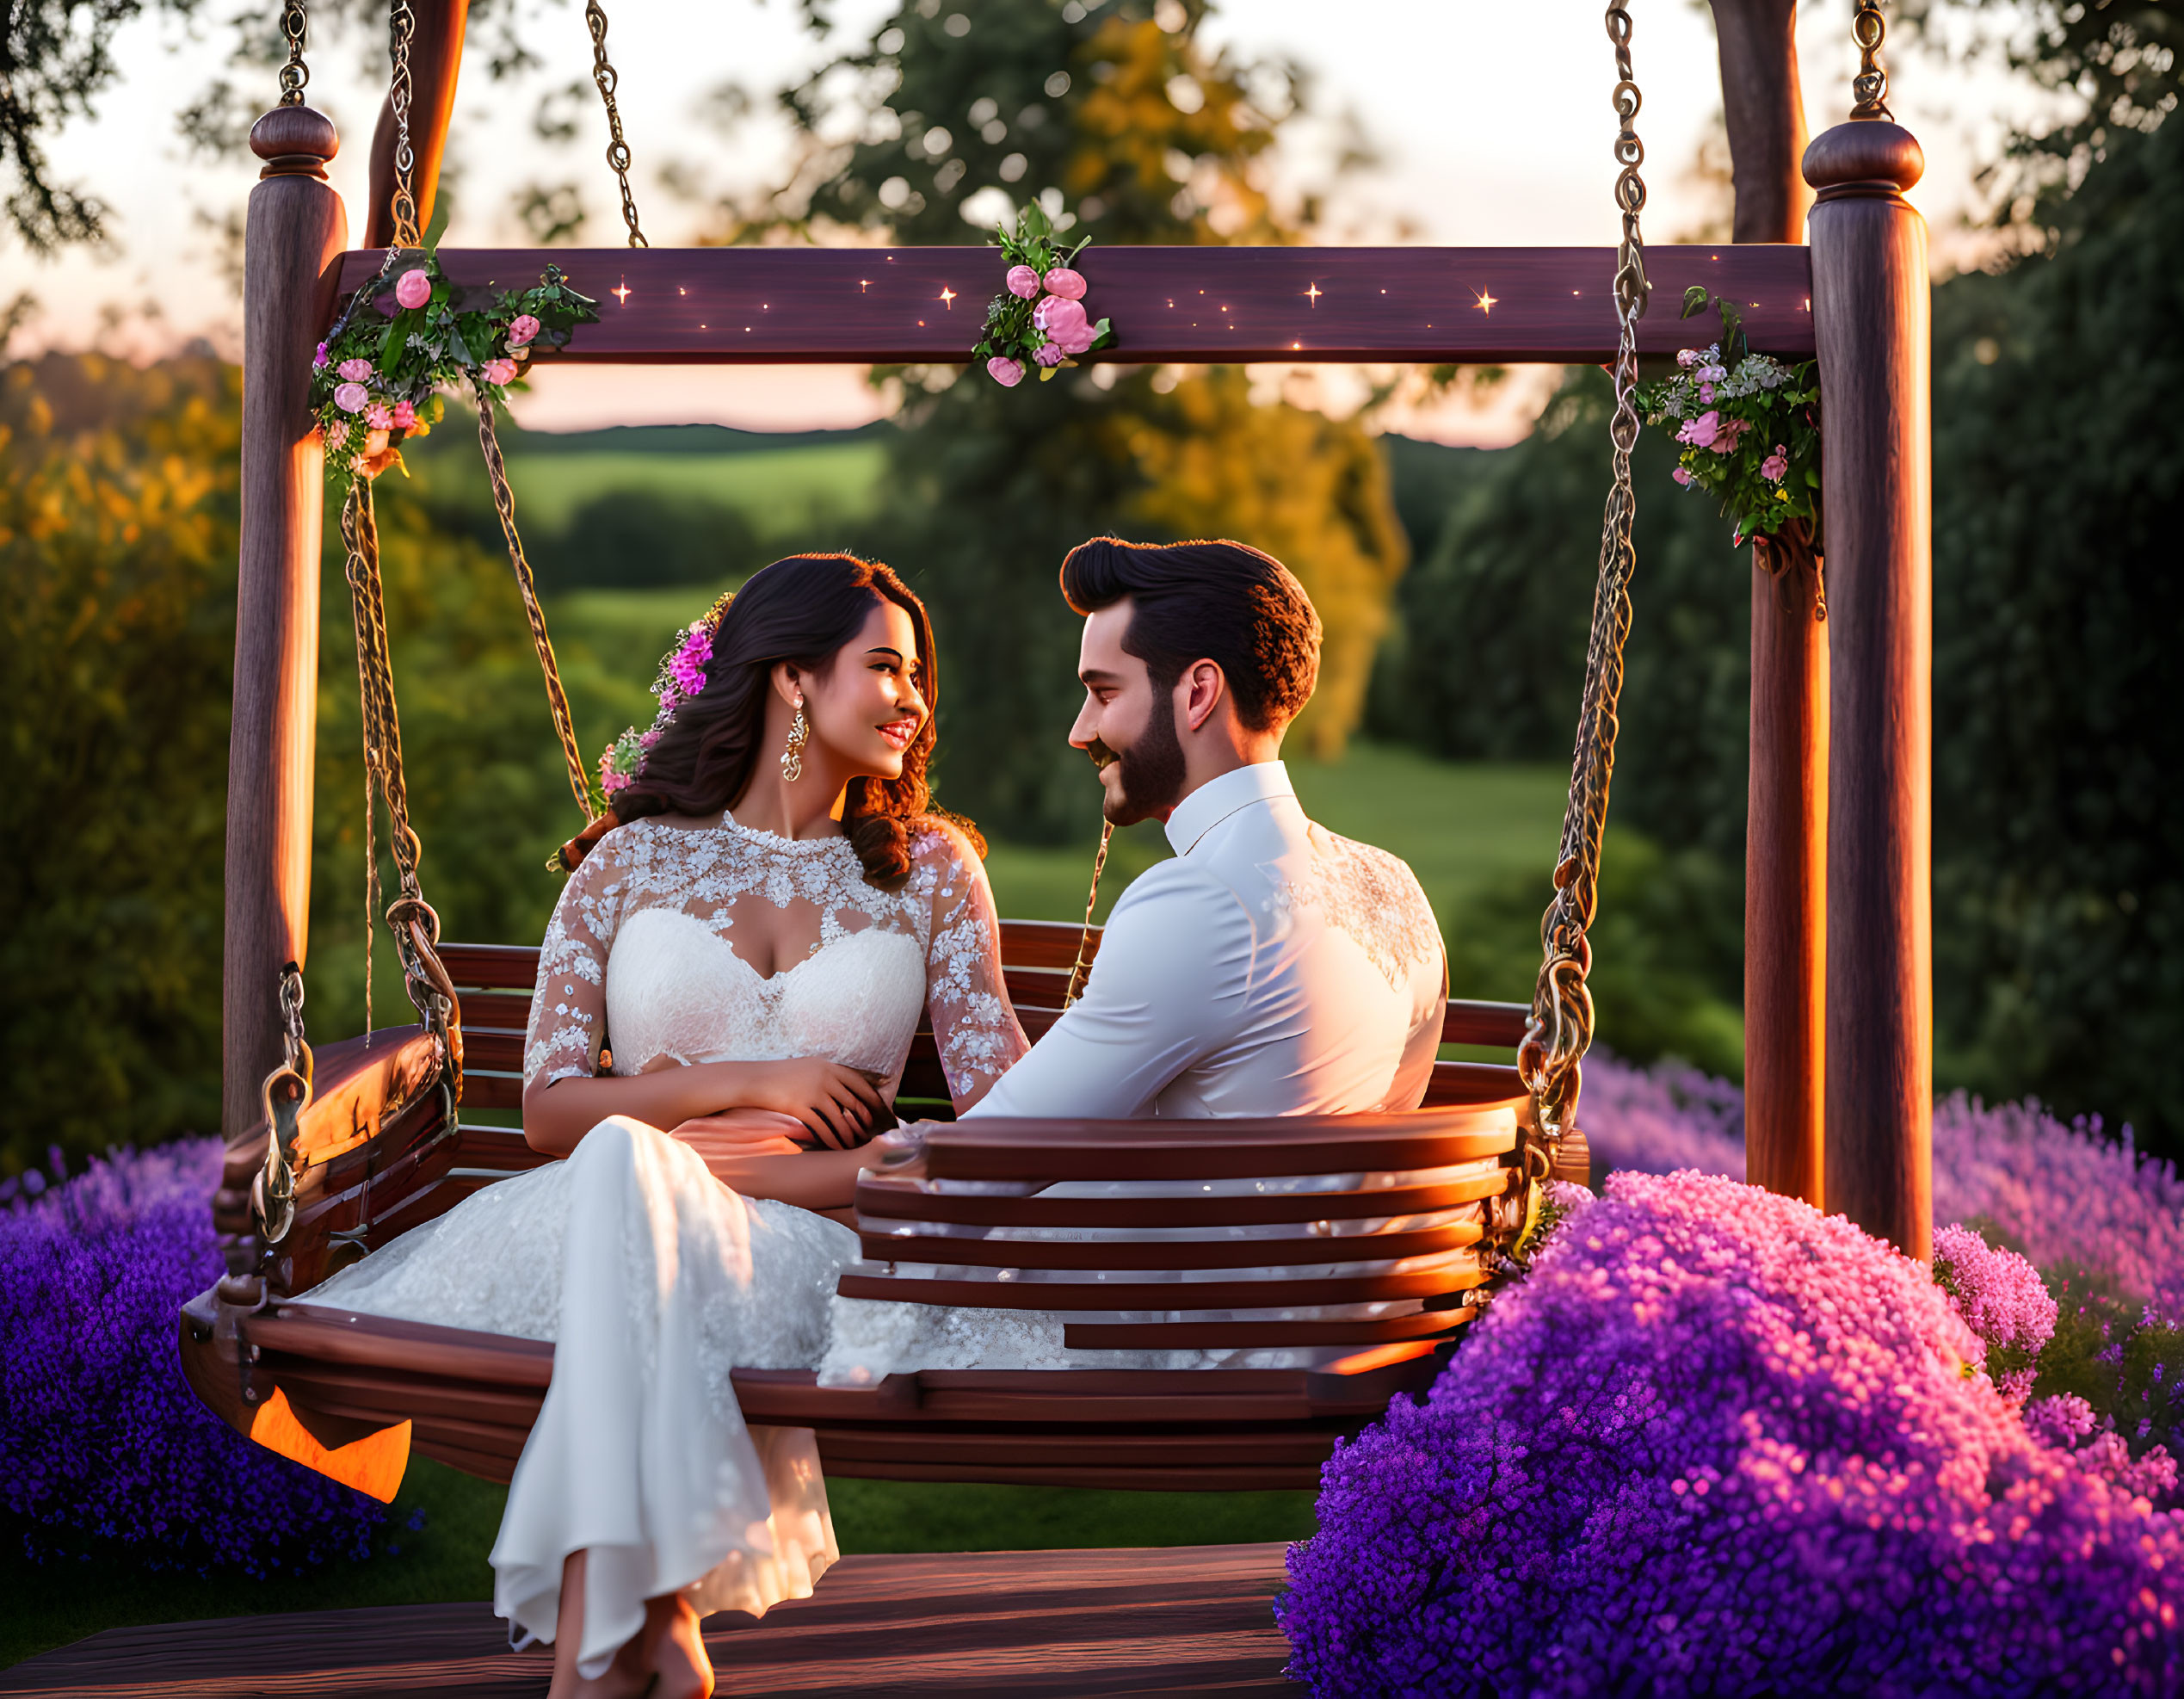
[(1701, 432), (404, 416), (1683, 477), (413, 288), (499, 371), (378, 418), (1776, 465), (1022, 281), (522, 328), (1051, 354), (352, 397), (355, 370), (1061, 280), (1065, 323), (1006, 372)]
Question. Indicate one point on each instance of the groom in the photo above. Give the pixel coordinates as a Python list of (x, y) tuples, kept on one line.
[(1271, 967)]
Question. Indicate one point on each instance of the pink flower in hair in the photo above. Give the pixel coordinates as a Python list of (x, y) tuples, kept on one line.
[(1022, 281), (687, 668), (413, 288)]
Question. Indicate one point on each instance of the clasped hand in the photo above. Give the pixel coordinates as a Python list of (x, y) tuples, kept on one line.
[(838, 1107)]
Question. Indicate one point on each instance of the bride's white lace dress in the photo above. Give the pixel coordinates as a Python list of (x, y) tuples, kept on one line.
[(653, 1279)]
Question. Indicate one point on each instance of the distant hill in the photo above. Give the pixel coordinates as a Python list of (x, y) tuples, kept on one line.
[(686, 439)]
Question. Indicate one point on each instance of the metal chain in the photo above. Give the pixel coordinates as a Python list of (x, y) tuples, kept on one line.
[(401, 29), (603, 74), (1082, 969), (294, 74), (1869, 88), (557, 699), (1561, 1027), (285, 1095)]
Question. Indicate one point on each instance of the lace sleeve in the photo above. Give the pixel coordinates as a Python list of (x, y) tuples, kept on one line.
[(973, 1024), (569, 1009)]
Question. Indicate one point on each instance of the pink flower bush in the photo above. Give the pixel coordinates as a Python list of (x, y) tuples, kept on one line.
[(1715, 1442), (522, 328), (355, 370), (413, 288), (1022, 281), (1005, 372), (498, 371), (352, 397), (1065, 283), (1998, 1293)]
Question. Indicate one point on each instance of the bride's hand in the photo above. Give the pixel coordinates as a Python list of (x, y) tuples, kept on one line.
[(837, 1104)]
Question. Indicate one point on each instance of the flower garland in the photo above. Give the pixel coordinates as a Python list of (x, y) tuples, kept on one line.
[(1041, 321), (374, 378), (682, 676), (1748, 425)]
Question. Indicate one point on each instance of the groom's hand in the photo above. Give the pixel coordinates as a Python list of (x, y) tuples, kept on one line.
[(838, 1104)]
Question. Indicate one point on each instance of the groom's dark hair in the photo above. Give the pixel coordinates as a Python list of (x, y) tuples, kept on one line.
[(1221, 601)]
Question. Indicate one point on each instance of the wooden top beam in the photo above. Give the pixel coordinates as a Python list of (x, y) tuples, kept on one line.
[(888, 305)]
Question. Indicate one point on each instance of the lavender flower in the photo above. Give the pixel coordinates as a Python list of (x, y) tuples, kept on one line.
[(106, 1451), (1717, 1442)]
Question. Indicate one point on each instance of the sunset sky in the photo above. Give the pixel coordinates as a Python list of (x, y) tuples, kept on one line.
[(1491, 123)]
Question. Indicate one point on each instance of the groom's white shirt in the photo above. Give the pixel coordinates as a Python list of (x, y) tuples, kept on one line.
[(1270, 968)]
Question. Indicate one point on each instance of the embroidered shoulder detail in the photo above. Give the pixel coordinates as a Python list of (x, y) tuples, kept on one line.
[(1372, 896)]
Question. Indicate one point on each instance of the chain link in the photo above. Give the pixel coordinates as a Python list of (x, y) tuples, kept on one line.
[(1561, 1027), (1869, 88), (295, 74), (603, 74), (557, 699), (402, 30), (1081, 970)]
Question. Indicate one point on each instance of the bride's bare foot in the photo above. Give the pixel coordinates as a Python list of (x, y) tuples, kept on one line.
[(676, 1649), (626, 1678)]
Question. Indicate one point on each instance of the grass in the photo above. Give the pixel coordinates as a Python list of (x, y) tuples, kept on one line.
[(780, 489), (445, 1559)]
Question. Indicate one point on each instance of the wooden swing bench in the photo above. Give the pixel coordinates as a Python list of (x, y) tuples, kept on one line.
[(380, 1155)]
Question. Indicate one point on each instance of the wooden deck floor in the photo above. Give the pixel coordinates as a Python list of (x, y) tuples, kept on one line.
[(1187, 1620)]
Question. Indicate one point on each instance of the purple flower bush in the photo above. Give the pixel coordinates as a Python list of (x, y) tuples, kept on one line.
[(106, 1453), (1715, 1442)]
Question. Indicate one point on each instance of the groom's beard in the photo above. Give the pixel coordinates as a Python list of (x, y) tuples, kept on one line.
[(1151, 770)]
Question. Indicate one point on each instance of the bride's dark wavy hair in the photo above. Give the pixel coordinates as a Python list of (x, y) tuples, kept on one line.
[(802, 610)]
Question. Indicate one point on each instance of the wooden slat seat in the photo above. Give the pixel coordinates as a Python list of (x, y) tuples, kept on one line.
[(1355, 1243)]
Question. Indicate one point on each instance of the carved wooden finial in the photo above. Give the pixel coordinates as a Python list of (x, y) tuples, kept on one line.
[(294, 141), (1866, 156)]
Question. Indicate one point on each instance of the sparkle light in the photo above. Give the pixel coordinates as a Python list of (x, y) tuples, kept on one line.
[(1485, 302), (947, 297), (863, 284), (622, 294), (1316, 292)]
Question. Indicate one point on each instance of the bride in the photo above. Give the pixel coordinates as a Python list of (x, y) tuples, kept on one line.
[(750, 948)]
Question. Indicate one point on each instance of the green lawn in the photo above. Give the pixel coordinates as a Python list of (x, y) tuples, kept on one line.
[(778, 489)]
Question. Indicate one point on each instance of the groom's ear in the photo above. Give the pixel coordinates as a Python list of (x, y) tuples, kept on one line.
[(1206, 688)]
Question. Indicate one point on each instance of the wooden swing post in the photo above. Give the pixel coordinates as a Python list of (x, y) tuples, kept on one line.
[(1872, 324), (293, 241), (1787, 817), (436, 57)]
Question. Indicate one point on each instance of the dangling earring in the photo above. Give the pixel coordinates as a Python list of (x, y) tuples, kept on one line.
[(792, 756)]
